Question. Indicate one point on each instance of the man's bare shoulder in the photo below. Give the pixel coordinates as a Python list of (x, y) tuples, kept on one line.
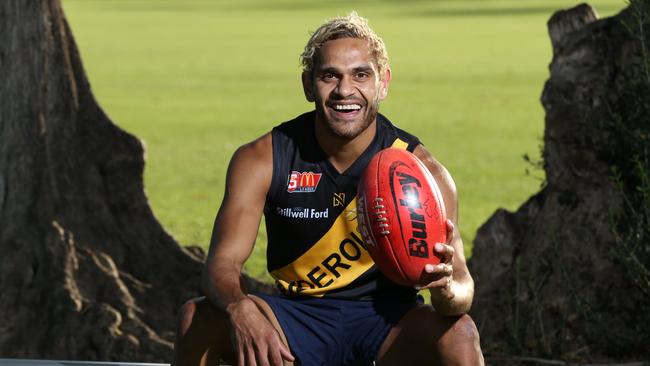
[(252, 164), (257, 153), (259, 147), (443, 179), (439, 172)]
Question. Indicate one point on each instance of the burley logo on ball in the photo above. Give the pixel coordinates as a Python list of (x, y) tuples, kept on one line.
[(303, 182)]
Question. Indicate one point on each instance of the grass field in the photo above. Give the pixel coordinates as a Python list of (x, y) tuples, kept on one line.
[(195, 79)]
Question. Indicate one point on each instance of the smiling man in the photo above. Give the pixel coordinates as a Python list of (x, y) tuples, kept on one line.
[(334, 306)]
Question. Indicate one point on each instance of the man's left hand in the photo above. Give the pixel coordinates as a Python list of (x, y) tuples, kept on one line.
[(440, 276)]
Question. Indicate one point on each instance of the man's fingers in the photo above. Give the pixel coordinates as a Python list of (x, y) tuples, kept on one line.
[(263, 357), (261, 352), (278, 352), (275, 356), (445, 252), (436, 275), (286, 354), (441, 282), (250, 357), (445, 269), (442, 269), (450, 230), (241, 359)]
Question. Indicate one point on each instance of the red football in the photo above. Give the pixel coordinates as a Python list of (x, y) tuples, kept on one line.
[(401, 215)]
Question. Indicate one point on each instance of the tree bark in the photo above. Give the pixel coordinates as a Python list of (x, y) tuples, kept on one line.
[(86, 271), (558, 279)]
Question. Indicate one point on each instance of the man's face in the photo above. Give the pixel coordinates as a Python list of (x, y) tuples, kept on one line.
[(345, 86)]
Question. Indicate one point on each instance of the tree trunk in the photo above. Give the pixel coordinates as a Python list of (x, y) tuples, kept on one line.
[(566, 276), (86, 271)]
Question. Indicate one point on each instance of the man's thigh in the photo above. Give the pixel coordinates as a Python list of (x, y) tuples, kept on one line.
[(424, 337), (326, 331)]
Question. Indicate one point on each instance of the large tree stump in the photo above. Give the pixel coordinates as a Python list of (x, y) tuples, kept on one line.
[(560, 278), (86, 271)]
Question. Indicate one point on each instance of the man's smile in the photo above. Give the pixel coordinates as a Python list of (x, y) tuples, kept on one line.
[(345, 111), (346, 107)]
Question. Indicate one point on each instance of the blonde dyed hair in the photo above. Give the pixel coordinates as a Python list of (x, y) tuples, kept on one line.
[(349, 26)]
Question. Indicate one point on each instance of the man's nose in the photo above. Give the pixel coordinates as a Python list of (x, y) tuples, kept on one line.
[(345, 87)]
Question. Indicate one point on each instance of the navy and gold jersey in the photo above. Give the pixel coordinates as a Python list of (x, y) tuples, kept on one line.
[(314, 247)]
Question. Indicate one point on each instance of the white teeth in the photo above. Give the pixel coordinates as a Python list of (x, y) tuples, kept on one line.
[(346, 107)]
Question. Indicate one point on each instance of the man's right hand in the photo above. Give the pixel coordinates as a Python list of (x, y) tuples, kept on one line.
[(255, 340)]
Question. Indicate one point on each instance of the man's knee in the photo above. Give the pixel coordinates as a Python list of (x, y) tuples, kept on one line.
[(460, 344), (450, 336), (185, 315), (203, 334), (462, 331), (424, 335)]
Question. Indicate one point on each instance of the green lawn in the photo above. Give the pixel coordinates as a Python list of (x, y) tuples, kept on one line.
[(195, 79)]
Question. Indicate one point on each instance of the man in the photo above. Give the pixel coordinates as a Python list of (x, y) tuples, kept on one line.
[(336, 308)]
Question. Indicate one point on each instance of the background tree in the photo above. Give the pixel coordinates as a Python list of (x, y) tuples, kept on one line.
[(566, 276), (86, 271)]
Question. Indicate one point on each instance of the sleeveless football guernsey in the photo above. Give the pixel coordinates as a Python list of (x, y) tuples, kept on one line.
[(314, 248)]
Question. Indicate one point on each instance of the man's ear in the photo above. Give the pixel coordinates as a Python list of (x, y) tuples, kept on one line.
[(307, 86), (383, 85)]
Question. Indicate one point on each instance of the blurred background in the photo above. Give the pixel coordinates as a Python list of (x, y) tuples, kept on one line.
[(195, 79)]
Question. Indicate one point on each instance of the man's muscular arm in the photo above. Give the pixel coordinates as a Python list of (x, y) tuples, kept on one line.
[(452, 286), (235, 229)]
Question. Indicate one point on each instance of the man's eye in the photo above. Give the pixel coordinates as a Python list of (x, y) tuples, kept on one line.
[(328, 76), (361, 75)]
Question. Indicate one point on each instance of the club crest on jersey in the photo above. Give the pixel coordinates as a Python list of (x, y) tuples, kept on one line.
[(303, 182)]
